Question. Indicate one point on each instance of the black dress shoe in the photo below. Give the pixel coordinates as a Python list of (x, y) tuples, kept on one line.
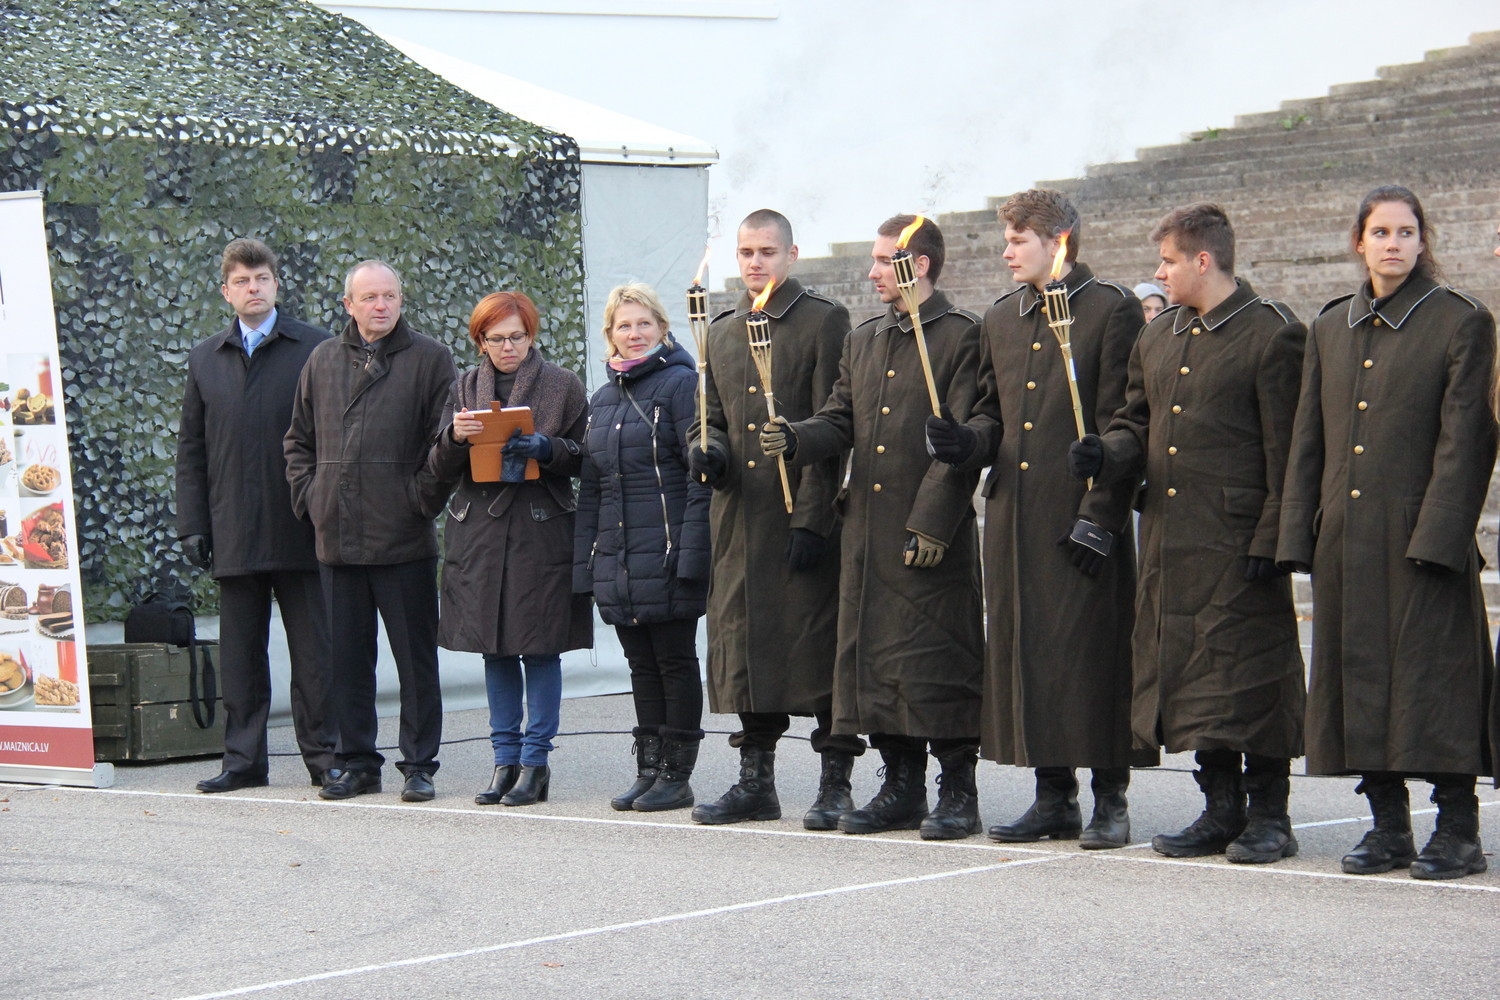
[(322, 779), (418, 787), (232, 781), (350, 784)]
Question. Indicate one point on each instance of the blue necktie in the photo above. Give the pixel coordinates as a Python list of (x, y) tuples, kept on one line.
[(252, 340)]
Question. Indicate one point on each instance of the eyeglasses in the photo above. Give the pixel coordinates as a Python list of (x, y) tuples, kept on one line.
[(515, 341)]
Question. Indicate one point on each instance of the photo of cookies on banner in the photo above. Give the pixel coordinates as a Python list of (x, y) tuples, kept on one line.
[(16, 689), (28, 396), (38, 452), (41, 542)]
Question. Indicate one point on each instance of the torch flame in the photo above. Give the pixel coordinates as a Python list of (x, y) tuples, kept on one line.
[(702, 264), (909, 231), (764, 296), (1062, 254)]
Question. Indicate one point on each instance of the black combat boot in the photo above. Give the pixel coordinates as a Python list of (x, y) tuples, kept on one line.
[(1454, 850), (670, 790), (833, 792), (1388, 844), (1054, 814), (901, 803), (647, 750), (1267, 835), (957, 813), (1110, 825), (752, 797), (1222, 819)]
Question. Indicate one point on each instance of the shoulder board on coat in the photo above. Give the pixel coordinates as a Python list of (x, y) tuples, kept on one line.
[(814, 293), (1124, 292), (959, 311), (719, 316), (1014, 291), (1334, 302), (1471, 300), (1282, 309), (871, 323)]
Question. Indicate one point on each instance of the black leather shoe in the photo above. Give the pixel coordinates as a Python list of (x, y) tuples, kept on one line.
[(418, 787), (322, 779), (231, 781), (350, 784)]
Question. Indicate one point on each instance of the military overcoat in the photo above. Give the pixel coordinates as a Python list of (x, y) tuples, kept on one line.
[(1057, 656), (910, 641), (1208, 414), (1391, 462), (771, 631)]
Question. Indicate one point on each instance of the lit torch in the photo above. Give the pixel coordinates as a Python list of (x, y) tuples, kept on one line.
[(758, 331), (1060, 318), (905, 266), (697, 302)]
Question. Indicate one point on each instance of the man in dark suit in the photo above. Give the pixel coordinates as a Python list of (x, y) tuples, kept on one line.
[(234, 516)]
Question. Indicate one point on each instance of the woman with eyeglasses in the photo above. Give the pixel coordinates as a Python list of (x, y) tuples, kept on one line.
[(507, 566)]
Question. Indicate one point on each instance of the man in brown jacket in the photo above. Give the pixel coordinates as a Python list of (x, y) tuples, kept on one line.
[(910, 643), (368, 407), (1208, 416), (1059, 559), (773, 600)]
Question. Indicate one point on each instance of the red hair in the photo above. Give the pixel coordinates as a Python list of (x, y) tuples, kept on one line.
[(498, 306)]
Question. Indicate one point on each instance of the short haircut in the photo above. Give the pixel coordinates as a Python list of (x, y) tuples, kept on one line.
[(638, 293), (1045, 212), (246, 252), (497, 307), (363, 265), (768, 218), (927, 241), (1199, 227), (1427, 265)]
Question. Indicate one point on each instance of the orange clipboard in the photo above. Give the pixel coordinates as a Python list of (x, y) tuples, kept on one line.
[(485, 458)]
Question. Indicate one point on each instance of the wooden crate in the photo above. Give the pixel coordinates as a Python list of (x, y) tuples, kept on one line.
[(139, 693)]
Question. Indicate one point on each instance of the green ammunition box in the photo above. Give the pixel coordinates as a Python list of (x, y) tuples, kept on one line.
[(140, 698)]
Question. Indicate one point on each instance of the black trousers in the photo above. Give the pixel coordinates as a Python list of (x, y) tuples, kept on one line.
[(919, 744), (665, 680), (404, 595), (245, 668), (762, 729)]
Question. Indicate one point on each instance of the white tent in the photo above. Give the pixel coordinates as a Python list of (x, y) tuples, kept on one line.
[(645, 189)]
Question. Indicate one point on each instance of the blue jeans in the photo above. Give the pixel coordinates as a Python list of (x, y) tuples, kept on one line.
[(543, 690)]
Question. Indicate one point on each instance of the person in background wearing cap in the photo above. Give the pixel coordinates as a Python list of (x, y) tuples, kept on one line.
[(1153, 299)]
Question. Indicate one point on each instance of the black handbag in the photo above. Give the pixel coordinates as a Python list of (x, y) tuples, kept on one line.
[(166, 619)]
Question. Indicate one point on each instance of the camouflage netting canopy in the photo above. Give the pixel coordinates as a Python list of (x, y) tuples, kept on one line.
[(158, 130)]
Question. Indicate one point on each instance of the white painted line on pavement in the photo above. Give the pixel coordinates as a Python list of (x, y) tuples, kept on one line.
[(1271, 869), (614, 928), (1332, 822), (510, 815)]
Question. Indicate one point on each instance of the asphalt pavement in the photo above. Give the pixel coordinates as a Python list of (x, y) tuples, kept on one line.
[(150, 889)]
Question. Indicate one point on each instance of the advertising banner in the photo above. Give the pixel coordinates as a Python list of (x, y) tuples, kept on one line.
[(46, 732)]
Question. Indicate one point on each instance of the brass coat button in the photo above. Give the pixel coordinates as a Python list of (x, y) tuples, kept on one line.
[(1172, 450), (1036, 347), (1025, 466), (876, 487), (1354, 494), (891, 373), (880, 449), (1359, 449), (749, 427), (1196, 331), (1031, 385), (752, 390), (1183, 370), (885, 410), (1176, 409), (1026, 425), (1363, 405), (1377, 320), (1369, 363), (1171, 492), (750, 464)]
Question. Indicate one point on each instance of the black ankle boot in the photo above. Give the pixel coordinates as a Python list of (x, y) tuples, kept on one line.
[(670, 790), (956, 815), (1110, 825), (1267, 835), (1388, 844), (531, 786), (833, 792), (753, 797), (901, 803), (647, 750), (500, 783), (1454, 850), (1054, 814), (1222, 819)]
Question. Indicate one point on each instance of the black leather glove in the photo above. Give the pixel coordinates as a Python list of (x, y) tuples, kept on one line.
[(199, 550), (805, 549), (1086, 457), (778, 438), (537, 446), (1258, 568), (1087, 557), (708, 466), (950, 441)]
